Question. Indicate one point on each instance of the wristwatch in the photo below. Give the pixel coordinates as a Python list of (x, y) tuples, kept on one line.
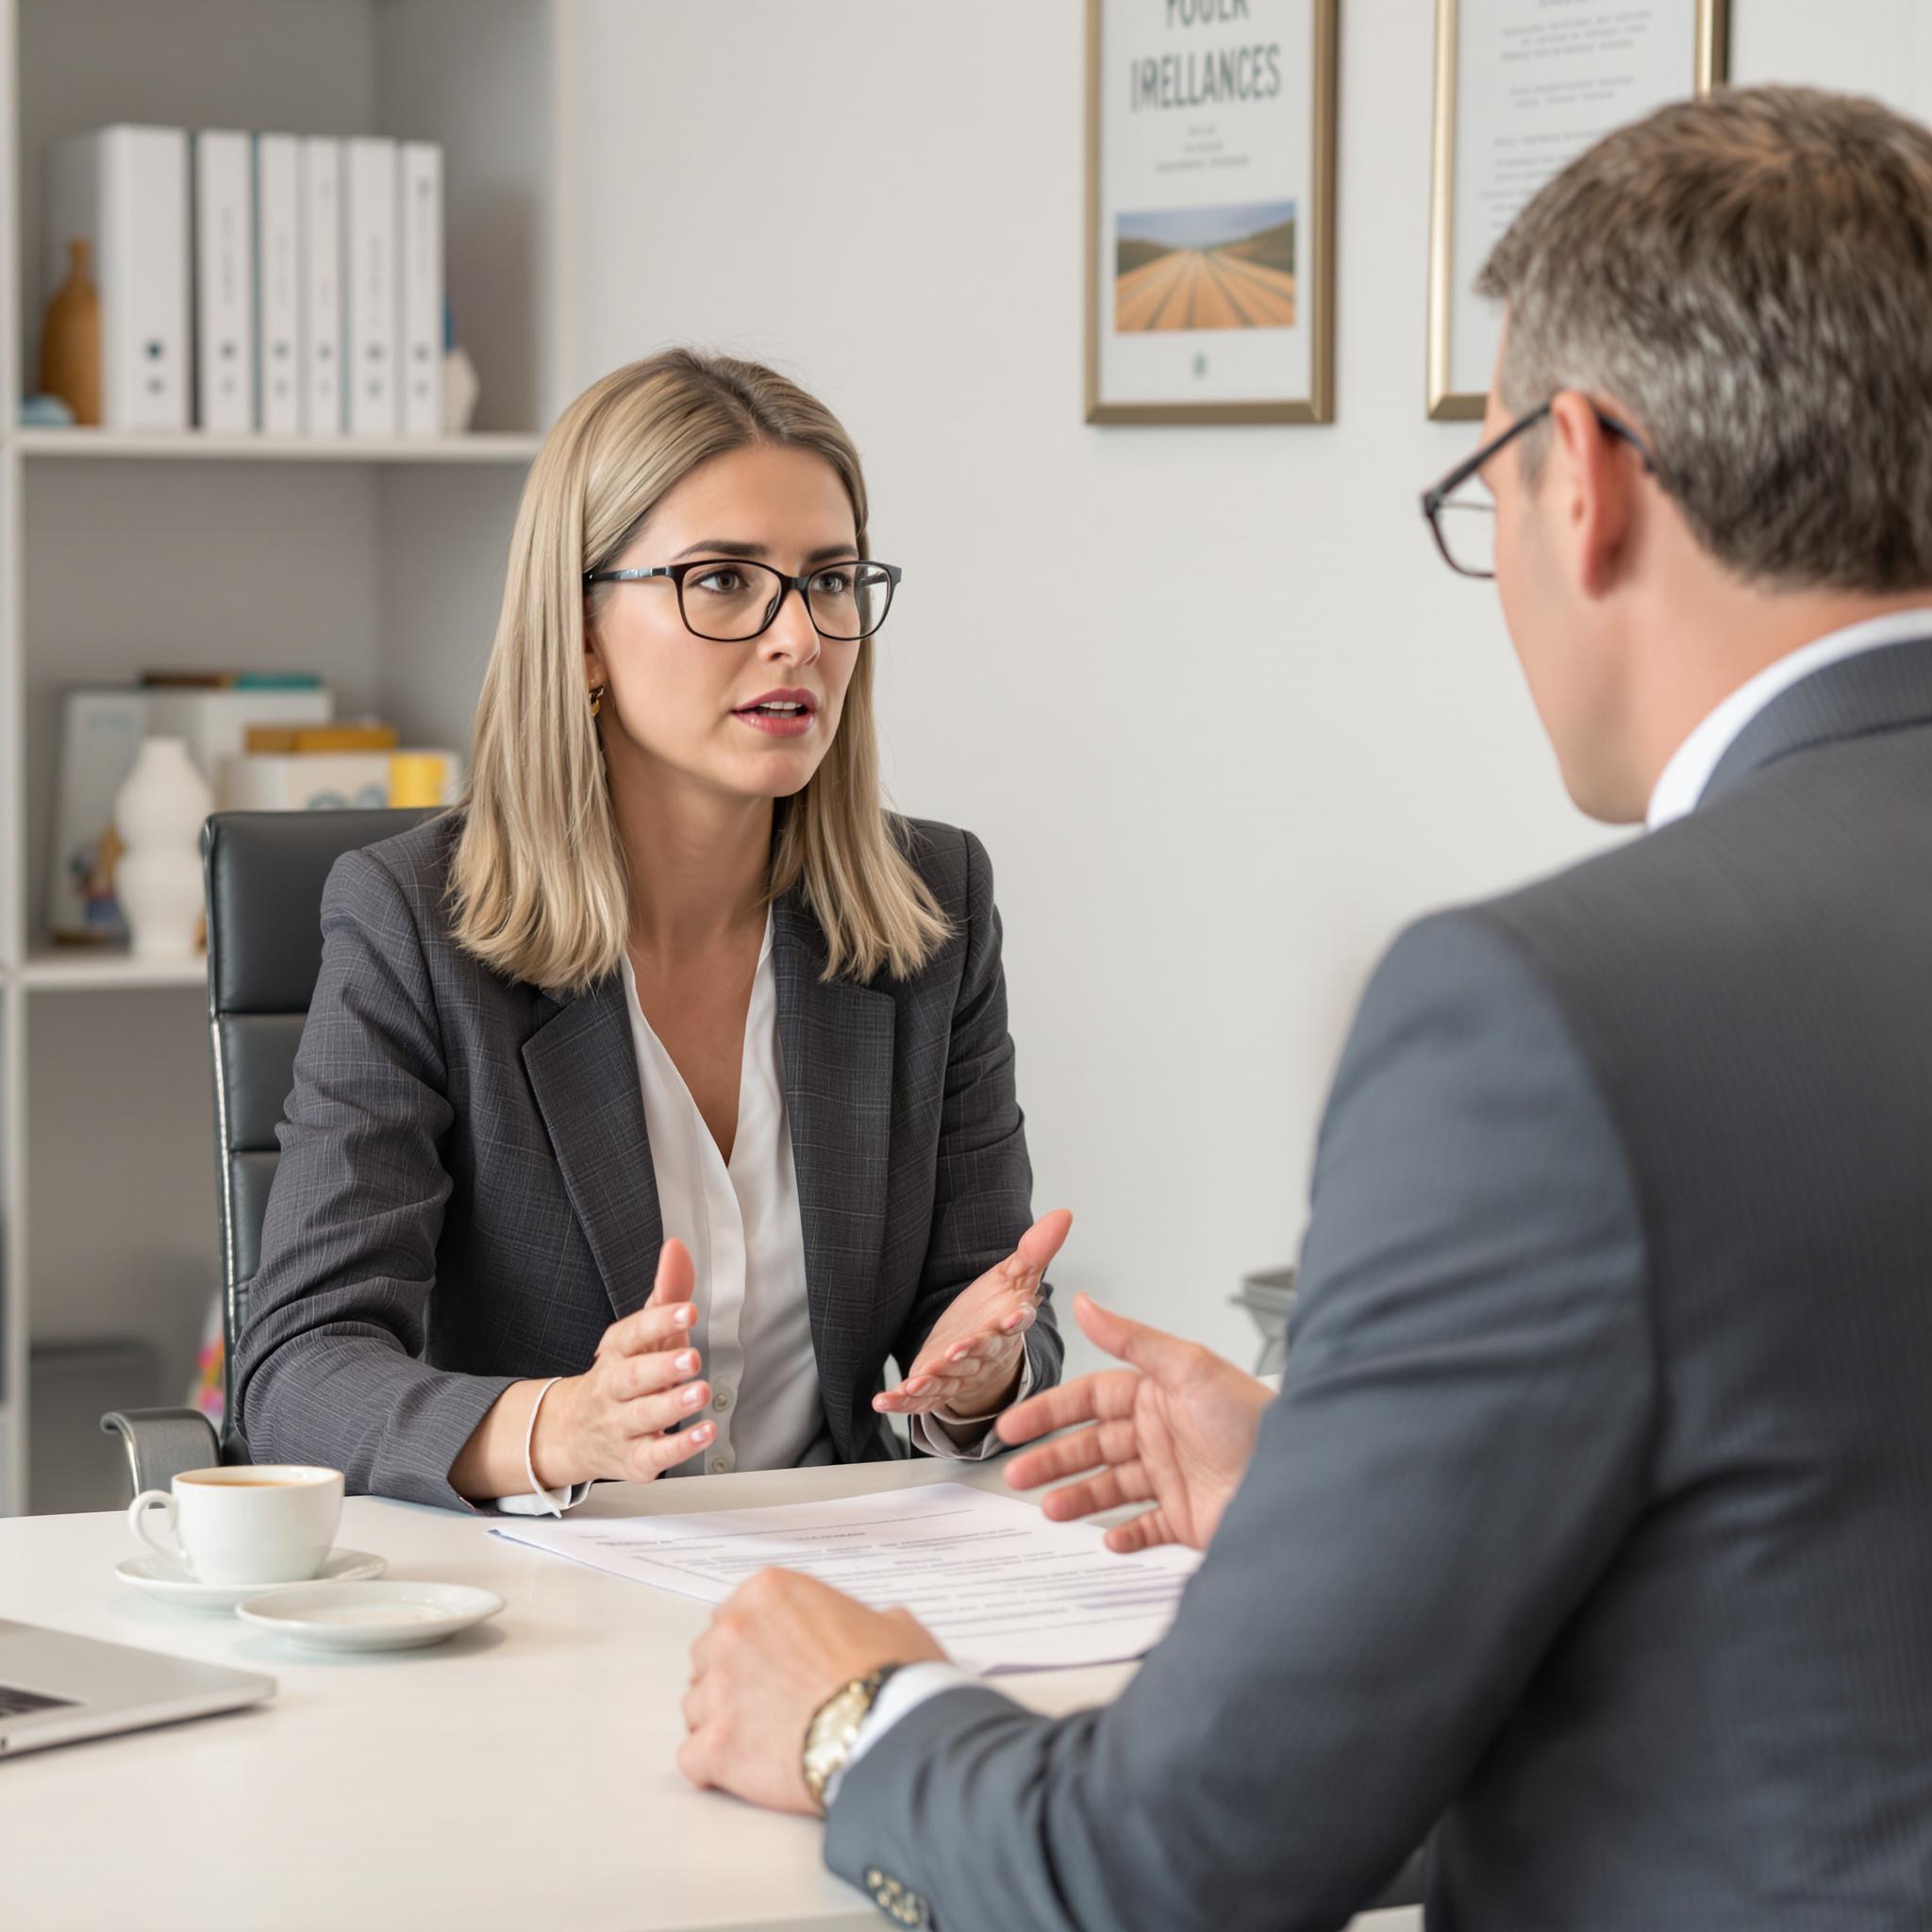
[(834, 1730)]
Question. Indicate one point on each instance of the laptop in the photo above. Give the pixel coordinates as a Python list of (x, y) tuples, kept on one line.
[(56, 1689)]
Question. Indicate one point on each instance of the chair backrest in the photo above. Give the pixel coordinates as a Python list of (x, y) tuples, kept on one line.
[(264, 874)]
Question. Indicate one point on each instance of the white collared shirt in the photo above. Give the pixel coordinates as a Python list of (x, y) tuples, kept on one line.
[(1681, 783), (741, 1220)]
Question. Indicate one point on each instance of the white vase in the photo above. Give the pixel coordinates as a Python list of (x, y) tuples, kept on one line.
[(460, 389), (159, 813)]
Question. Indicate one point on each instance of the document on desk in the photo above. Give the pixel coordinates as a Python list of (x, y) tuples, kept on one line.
[(1001, 1587)]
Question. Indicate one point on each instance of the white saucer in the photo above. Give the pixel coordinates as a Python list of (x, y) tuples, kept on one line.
[(159, 1578), (370, 1616)]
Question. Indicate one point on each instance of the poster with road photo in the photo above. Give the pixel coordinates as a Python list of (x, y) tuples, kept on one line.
[(1210, 211)]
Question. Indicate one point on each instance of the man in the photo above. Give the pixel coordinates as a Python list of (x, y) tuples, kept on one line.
[(1591, 1535)]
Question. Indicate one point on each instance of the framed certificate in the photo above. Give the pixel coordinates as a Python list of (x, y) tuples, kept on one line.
[(1210, 211), (1522, 89)]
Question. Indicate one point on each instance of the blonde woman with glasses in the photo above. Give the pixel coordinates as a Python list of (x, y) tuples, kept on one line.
[(655, 1100)]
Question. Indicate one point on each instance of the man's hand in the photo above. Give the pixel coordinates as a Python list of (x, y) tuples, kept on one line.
[(1176, 1429), (970, 1362), (776, 1650)]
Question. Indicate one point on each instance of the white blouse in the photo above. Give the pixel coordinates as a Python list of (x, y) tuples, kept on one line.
[(746, 1237), (742, 1221)]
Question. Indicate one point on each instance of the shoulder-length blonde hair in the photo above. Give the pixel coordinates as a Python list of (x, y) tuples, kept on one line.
[(539, 886)]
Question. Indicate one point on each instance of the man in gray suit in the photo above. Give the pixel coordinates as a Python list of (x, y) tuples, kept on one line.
[(1591, 1535)]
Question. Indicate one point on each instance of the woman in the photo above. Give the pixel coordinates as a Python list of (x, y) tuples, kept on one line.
[(650, 1102)]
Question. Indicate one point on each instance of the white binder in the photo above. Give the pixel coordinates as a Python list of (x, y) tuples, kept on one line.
[(369, 230), (277, 285), (421, 191), (321, 285), (224, 280), (125, 190)]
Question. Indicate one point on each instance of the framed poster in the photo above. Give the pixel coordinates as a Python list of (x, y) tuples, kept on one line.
[(1522, 89), (1210, 211)]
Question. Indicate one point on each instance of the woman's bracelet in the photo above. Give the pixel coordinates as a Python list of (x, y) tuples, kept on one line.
[(537, 1489)]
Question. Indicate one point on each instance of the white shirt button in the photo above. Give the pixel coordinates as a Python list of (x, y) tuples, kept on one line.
[(721, 1465), (722, 1400)]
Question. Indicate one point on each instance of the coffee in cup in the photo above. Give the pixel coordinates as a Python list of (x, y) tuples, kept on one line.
[(255, 1523)]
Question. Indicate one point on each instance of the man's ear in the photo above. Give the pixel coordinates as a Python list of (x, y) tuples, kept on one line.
[(1592, 494)]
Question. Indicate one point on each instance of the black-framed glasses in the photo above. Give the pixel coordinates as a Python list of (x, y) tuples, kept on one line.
[(729, 599), (1464, 526)]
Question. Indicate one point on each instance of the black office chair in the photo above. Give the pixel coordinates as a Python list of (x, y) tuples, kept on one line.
[(264, 872)]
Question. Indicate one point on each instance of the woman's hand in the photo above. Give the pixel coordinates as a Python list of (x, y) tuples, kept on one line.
[(610, 1420), (1175, 1430), (970, 1362)]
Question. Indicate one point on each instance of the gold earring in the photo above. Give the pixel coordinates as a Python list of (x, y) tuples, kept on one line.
[(596, 699)]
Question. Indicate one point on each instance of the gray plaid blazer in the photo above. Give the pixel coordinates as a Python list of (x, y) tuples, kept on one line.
[(465, 1195)]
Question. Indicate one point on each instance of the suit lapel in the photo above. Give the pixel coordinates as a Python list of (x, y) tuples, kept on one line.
[(836, 1043), (583, 1071)]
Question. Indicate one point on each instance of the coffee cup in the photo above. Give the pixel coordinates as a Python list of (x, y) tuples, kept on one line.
[(255, 1523)]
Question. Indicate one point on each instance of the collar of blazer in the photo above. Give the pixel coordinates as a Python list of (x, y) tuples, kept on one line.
[(1888, 689), (834, 1042)]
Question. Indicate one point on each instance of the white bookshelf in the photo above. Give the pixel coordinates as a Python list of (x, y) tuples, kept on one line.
[(378, 563), (70, 445)]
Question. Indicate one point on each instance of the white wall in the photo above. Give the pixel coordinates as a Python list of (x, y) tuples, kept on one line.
[(1222, 716)]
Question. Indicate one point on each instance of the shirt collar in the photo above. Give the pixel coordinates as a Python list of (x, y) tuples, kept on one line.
[(1681, 783)]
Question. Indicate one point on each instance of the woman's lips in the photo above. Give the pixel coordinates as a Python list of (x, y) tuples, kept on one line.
[(779, 719)]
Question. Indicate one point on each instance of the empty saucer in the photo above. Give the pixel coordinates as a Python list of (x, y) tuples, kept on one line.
[(155, 1577), (370, 1616)]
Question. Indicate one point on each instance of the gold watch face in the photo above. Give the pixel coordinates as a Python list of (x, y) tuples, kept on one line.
[(832, 1732)]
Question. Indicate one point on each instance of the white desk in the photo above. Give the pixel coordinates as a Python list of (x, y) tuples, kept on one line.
[(519, 1776)]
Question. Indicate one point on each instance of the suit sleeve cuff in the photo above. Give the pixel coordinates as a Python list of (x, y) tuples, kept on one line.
[(544, 1503), (968, 1437), (904, 1691)]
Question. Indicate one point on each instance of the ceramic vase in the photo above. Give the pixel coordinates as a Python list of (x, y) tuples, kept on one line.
[(159, 813), (71, 340)]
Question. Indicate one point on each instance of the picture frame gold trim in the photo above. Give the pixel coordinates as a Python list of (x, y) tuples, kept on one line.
[(1444, 405), (1319, 405)]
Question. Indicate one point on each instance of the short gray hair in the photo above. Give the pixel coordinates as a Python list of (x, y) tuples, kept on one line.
[(1750, 274)]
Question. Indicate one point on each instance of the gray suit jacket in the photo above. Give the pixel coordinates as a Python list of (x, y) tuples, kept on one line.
[(1593, 1526), (465, 1195)]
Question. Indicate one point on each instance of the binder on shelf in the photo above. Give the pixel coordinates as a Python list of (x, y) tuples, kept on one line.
[(321, 285), (278, 394), (224, 280), (420, 164), (368, 285), (124, 190)]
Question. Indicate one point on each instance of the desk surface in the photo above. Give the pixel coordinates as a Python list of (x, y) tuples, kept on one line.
[(519, 1777)]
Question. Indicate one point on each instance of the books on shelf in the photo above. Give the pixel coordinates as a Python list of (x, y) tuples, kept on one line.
[(123, 191), (290, 285), (101, 730), (265, 741), (338, 781), (215, 722)]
